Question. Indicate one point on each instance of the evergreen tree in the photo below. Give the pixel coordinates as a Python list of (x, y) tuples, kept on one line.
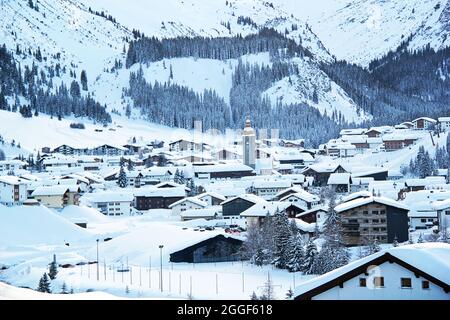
[(2, 155), (282, 237), (289, 293), (83, 79), (296, 254), (310, 257), (395, 242), (64, 288), (130, 166), (254, 296), (44, 284), (53, 270), (122, 178)]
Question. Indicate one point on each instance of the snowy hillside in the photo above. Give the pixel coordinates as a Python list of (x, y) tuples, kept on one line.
[(311, 84), (172, 18), (361, 30)]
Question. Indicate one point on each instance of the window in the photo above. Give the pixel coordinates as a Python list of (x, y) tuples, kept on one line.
[(406, 282), (375, 212), (378, 282), (382, 212), (365, 212), (423, 220), (425, 285), (362, 282), (430, 220)]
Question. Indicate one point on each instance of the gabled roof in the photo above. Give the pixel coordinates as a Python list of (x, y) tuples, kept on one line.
[(110, 197), (364, 201), (441, 205), (263, 209), (424, 118), (303, 195), (339, 178), (12, 180), (428, 260), (57, 190), (356, 195), (294, 189), (194, 200), (247, 197), (312, 210), (211, 194)]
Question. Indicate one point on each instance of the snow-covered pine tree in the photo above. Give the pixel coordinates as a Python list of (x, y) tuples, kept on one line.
[(282, 237), (176, 177), (44, 284), (254, 296), (53, 270), (2, 155), (374, 246), (64, 289), (289, 293), (309, 257), (293, 227), (122, 179), (182, 177), (130, 165), (333, 254), (296, 254)]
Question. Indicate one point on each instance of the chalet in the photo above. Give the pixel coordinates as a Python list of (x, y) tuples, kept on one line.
[(352, 132), (360, 184), (111, 203), (443, 214), (313, 215), (191, 203), (410, 272), (321, 172), (7, 166), (421, 184), (365, 219), (185, 145), (444, 123), (285, 169), (267, 189), (158, 174), (340, 182), (13, 190), (235, 206), (70, 150), (223, 171), (157, 198), (356, 195), (209, 213), (341, 149), (394, 142), (59, 162), (227, 154), (258, 213), (407, 124), (299, 143), (109, 150), (211, 198), (423, 123), (302, 199), (373, 133), (57, 196), (286, 192), (298, 160)]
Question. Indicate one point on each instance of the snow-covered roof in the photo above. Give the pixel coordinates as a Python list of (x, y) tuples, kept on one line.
[(248, 197), (211, 194), (222, 167), (303, 195), (441, 205), (13, 180), (424, 118), (312, 210), (324, 167), (263, 184), (364, 201), (263, 209), (431, 258), (424, 182), (14, 162), (295, 189), (160, 192), (170, 184), (339, 178), (355, 195), (352, 131), (113, 196), (361, 181), (444, 119), (200, 213), (194, 200), (56, 190)]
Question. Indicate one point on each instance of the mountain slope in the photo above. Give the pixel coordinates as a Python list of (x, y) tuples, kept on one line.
[(362, 30)]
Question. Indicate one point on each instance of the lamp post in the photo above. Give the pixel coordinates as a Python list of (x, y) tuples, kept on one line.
[(160, 274), (98, 273)]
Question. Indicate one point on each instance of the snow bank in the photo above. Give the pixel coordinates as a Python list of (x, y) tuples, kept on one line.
[(24, 225), (76, 213)]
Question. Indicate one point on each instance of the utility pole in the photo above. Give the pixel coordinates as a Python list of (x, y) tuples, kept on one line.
[(98, 272), (160, 259)]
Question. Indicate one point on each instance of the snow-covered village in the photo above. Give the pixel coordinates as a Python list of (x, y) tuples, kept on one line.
[(244, 156)]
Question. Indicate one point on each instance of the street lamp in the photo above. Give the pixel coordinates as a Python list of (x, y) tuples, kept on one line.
[(160, 258), (98, 274)]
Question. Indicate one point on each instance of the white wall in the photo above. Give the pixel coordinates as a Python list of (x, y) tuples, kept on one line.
[(391, 291), (185, 205), (7, 194), (115, 208)]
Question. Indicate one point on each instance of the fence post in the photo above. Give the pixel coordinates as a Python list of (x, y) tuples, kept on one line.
[(179, 284), (217, 284), (243, 283)]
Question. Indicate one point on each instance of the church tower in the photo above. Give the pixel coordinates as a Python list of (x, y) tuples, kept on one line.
[(249, 144)]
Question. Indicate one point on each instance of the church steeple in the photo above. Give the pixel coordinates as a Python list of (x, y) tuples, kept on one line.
[(249, 144)]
